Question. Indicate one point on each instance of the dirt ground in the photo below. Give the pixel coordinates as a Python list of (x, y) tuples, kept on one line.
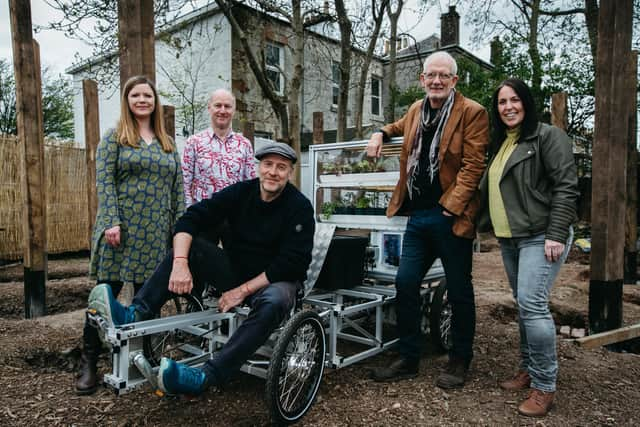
[(596, 387)]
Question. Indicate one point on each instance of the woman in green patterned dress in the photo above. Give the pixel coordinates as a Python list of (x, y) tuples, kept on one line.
[(140, 196)]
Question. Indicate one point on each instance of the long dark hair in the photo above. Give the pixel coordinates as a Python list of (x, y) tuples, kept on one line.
[(528, 125)]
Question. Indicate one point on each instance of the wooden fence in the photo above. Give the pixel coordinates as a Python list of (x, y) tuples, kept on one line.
[(66, 192)]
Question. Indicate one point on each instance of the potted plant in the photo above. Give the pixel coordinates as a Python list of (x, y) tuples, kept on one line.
[(363, 204), (327, 209), (328, 168)]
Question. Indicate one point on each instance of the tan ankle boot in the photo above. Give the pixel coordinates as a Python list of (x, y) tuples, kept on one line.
[(537, 404), (520, 381)]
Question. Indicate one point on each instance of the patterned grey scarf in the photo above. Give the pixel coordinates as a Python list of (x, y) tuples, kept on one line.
[(413, 161)]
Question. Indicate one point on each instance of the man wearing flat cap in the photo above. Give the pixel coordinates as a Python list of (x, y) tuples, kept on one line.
[(272, 229)]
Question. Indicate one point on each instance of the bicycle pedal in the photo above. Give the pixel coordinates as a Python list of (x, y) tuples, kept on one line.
[(159, 393)]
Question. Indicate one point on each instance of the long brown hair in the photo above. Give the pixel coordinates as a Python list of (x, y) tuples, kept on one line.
[(127, 131)]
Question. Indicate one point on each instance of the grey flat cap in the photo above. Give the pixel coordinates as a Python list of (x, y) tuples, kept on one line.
[(279, 148)]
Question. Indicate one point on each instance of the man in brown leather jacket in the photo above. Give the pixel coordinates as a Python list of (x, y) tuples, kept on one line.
[(442, 161)]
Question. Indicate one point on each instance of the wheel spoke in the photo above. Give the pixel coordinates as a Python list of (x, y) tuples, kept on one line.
[(298, 366)]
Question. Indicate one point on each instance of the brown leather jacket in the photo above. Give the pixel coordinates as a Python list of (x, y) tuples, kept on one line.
[(461, 155)]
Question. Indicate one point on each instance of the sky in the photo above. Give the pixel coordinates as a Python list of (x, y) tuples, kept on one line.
[(58, 53)]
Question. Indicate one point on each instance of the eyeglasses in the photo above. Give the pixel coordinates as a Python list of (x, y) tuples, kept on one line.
[(441, 76)]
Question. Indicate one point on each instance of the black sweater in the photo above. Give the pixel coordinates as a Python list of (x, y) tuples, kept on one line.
[(273, 237)]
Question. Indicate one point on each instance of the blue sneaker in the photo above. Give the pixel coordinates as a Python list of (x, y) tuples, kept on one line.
[(178, 378), (101, 300)]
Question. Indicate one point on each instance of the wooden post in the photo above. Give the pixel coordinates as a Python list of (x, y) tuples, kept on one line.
[(318, 138), (631, 235), (249, 132), (559, 110), (169, 113), (91, 140), (318, 127), (26, 63), (136, 39), (609, 166)]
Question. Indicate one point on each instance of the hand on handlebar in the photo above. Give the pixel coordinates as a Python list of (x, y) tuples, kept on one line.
[(231, 299)]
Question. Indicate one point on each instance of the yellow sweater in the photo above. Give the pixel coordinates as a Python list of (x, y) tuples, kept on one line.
[(497, 212)]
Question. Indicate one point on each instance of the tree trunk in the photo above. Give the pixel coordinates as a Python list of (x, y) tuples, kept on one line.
[(345, 69), (296, 83), (591, 18), (390, 113), (276, 101), (534, 54), (364, 71)]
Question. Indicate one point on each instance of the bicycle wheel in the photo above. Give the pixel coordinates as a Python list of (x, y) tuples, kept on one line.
[(296, 368)]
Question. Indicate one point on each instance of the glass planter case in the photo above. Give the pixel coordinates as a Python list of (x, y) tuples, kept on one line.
[(352, 191)]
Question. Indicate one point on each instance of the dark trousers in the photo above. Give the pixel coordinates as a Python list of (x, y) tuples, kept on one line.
[(429, 236), (90, 338), (210, 266)]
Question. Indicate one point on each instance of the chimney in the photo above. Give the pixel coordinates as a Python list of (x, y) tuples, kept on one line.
[(496, 50), (450, 27)]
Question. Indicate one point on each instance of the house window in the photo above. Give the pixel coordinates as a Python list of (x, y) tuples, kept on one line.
[(375, 96), (335, 81), (274, 58)]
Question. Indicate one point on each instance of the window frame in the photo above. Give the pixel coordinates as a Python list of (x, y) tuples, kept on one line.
[(335, 83), (279, 69), (377, 96)]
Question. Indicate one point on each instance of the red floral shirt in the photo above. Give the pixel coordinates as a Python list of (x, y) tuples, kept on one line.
[(210, 164)]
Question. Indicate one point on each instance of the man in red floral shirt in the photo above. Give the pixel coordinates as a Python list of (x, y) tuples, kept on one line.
[(216, 157)]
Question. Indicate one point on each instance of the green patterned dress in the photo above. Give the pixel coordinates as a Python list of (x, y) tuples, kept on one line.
[(141, 190)]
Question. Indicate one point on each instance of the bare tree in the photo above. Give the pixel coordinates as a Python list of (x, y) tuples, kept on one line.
[(184, 65), (95, 22), (286, 106), (393, 12), (344, 23), (377, 11)]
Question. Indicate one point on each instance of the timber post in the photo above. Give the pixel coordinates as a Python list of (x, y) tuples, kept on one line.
[(169, 113), (318, 138), (91, 141), (136, 39), (609, 166), (631, 234), (559, 110), (318, 127), (248, 132), (26, 63)]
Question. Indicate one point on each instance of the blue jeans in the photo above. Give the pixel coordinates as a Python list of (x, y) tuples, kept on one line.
[(531, 278), (429, 236), (210, 267)]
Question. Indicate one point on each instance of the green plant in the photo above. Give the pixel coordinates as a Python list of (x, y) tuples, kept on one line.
[(328, 168), (362, 166), (328, 208), (363, 202)]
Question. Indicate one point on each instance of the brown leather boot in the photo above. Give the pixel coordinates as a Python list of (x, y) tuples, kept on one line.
[(87, 381), (520, 381), (537, 404)]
